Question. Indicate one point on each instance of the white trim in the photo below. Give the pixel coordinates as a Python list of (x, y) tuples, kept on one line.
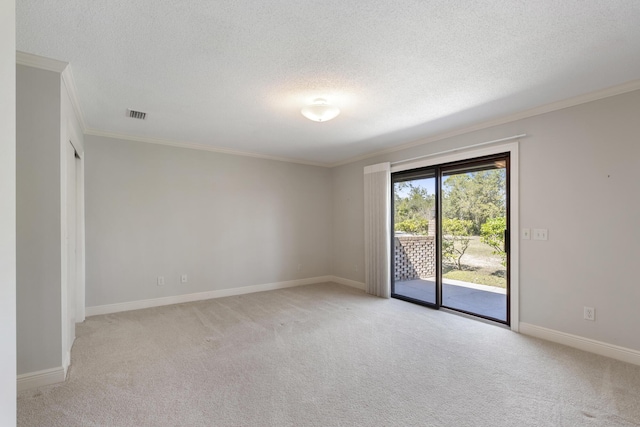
[(514, 235), (35, 61), (72, 91), (467, 147), (592, 346), (202, 147), (464, 154), (81, 245), (7, 213), (41, 378), (220, 293), (64, 245), (348, 282), (58, 375), (536, 111), (40, 62), (67, 361)]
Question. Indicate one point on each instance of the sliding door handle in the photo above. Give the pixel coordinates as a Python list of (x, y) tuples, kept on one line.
[(506, 240)]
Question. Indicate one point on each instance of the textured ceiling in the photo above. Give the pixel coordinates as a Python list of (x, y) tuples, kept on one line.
[(234, 74)]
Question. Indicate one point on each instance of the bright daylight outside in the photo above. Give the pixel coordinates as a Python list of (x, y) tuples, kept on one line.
[(473, 247)]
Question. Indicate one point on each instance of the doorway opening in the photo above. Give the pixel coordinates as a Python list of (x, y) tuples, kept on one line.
[(450, 242)]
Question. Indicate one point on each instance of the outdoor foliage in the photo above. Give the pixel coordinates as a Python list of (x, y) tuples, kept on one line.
[(492, 234), (475, 196), (413, 211), (473, 222), (414, 226), (455, 239)]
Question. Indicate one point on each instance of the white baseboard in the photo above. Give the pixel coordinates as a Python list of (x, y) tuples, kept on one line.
[(348, 282), (178, 299), (40, 378), (598, 347), (58, 375)]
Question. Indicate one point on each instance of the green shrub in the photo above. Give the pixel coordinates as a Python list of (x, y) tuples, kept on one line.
[(414, 226), (492, 234)]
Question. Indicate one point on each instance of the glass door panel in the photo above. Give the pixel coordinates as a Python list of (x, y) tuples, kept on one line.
[(474, 228), (414, 246)]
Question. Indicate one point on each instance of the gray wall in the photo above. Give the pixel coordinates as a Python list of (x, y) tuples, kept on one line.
[(7, 214), (38, 219), (230, 221), (226, 221), (578, 178)]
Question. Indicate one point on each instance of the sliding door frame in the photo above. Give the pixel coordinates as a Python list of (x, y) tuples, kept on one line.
[(418, 174), (466, 165), (513, 314)]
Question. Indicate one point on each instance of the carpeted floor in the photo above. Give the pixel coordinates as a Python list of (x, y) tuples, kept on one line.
[(325, 355)]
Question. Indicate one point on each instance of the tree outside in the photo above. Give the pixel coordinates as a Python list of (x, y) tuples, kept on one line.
[(413, 207), (473, 223), (456, 237), (475, 196)]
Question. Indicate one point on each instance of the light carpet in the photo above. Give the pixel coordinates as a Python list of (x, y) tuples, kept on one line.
[(325, 355)]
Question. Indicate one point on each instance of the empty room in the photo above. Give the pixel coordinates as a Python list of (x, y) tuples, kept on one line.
[(308, 213)]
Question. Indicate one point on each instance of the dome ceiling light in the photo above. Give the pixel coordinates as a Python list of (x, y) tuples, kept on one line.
[(320, 110)]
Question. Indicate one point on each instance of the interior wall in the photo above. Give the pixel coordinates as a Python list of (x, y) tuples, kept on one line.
[(226, 221), (578, 179), (7, 214), (38, 220)]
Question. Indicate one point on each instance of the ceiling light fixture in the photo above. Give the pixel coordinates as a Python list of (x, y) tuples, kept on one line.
[(320, 110)]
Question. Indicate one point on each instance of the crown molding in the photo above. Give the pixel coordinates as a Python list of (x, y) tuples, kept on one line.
[(35, 61), (536, 111), (202, 147), (64, 68)]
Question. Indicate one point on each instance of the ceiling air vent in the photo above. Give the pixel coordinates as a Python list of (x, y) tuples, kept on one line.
[(136, 114)]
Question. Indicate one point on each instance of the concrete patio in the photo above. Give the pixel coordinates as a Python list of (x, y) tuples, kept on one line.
[(484, 300)]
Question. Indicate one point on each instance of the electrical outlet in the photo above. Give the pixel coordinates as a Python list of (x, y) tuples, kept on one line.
[(590, 313), (160, 280), (184, 278)]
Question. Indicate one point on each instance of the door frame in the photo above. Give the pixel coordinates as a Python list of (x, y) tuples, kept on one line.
[(514, 223), (72, 304), (420, 173)]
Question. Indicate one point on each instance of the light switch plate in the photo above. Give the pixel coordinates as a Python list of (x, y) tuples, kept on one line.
[(540, 234), (526, 234)]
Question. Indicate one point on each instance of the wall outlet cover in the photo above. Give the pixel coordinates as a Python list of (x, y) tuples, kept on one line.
[(590, 313)]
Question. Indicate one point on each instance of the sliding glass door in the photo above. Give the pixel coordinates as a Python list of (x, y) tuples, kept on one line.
[(450, 236)]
